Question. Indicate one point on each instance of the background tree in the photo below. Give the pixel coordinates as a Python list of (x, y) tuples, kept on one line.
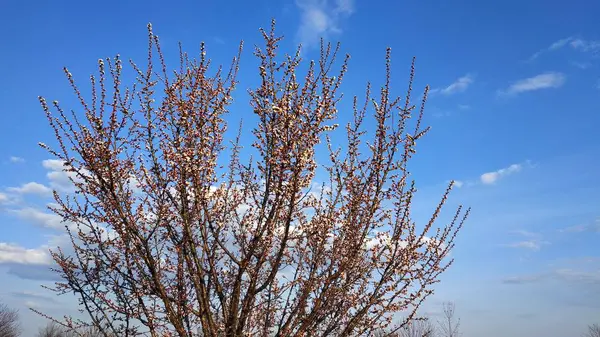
[(418, 328), (168, 241), (382, 333), (593, 331), (9, 322), (449, 326), (54, 329)]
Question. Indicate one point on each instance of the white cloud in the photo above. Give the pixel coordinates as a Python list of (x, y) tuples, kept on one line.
[(492, 177), (526, 233), (39, 218), (590, 227), (11, 253), (15, 159), (53, 164), (575, 229), (528, 244), (345, 6), (321, 18), (581, 65), (559, 44), (60, 179), (33, 304), (31, 188), (438, 113), (457, 183), (543, 81), (9, 198), (31, 263), (533, 242), (554, 46), (458, 86), (586, 46), (26, 294), (578, 44)]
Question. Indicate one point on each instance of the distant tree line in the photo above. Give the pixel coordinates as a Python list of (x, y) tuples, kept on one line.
[(447, 326)]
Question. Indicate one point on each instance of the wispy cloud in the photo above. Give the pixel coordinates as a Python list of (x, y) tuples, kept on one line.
[(60, 179), (580, 65), (490, 178), (16, 160), (554, 46), (458, 86), (563, 275), (547, 80), (39, 272), (459, 183), (31, 188), (33, 263), (533, 241), (590, 227), (33, 296), (9, 199), (528, 244), (39, 218), (587, 46), (218, 40), (579, 44), (577, 279), (447, 112), (15, 254), (321, 18), (559, 44), (524, 279), (525, 233)]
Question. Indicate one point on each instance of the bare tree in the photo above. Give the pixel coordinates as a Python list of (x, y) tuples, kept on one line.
[(384, 333), (593, 331), (168, 241), (55, 329), (9, 322), (416, 327), (449, 326), (421, 327)]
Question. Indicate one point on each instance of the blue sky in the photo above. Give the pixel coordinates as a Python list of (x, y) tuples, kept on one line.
[(514, 113)]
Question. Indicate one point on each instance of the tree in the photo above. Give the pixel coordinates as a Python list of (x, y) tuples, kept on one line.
[(593, 331), (418, 328), (9, 322), (449, 325), (166, 240), (54, 329), (51, 329)]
